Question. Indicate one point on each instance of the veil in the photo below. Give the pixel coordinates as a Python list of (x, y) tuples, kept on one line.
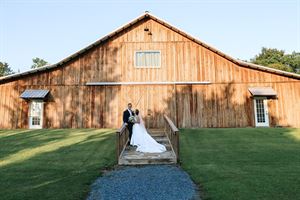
[(142, 124)]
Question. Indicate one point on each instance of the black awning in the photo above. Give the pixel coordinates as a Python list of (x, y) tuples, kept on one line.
[(34, 94)]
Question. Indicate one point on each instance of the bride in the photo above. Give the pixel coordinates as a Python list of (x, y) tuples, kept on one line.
[(141, 139)]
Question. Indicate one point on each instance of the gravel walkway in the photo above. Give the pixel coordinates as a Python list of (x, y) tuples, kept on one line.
[(144, 182)]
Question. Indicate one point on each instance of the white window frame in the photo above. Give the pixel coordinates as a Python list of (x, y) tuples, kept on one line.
[(138, 51), (265, 103), (41, 117)]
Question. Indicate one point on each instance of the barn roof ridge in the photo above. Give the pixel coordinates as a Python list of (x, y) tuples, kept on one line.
[(167, 24)]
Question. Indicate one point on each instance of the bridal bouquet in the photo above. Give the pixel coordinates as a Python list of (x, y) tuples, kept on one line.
[(131, 119)]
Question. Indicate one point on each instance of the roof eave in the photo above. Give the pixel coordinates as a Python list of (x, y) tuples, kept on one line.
[(268, 69)]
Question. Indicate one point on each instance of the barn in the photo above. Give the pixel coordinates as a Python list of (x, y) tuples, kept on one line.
[(161, 70)]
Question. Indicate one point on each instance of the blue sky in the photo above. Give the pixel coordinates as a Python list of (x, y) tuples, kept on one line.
[(55, 29)]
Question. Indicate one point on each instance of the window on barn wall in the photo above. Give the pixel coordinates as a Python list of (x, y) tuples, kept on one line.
[(147, 59)]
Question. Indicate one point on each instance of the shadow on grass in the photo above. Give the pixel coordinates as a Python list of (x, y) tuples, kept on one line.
[(60, 172), (243, 163), (14, 141)]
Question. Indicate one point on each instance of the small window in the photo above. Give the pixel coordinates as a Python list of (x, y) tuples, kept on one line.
[(147, 59)]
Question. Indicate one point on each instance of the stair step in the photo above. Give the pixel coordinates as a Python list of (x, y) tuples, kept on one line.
[(168, 146), (160, 138), (135, 154), (146, 161), (132, 157), (164, 142), (156, 132), (158, 135)]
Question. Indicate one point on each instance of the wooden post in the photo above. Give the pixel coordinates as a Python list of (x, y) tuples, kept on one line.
[(177, 140), (117, 145)]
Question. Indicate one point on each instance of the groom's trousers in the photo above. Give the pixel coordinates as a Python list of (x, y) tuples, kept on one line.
[(129, 126)]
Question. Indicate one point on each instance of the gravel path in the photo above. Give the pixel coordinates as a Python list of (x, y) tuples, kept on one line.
[(144, 182)]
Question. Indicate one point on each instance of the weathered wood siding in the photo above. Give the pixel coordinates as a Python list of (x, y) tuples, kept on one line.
[(224, 103)]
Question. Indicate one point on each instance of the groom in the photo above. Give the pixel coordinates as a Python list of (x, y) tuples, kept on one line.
[(126, 114)]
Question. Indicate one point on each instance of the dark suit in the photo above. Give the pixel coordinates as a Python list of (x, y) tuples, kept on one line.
[(126, 116)]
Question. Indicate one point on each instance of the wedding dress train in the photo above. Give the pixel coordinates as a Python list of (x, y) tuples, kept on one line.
[(144, 142)]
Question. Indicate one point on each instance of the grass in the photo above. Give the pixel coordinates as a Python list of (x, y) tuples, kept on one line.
[(53, 164), (243, 163)]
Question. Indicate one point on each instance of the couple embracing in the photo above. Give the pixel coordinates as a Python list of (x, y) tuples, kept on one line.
[(138, 135)]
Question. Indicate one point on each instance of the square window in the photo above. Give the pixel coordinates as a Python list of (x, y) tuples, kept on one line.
[(147, 59)]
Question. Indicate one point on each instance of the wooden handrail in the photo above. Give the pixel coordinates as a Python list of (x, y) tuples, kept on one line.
[(173, 134), (121, 130), (171, 124), (122, 136)]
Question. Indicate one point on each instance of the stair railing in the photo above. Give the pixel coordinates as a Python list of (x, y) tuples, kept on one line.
[(122, 136), (173, 134)]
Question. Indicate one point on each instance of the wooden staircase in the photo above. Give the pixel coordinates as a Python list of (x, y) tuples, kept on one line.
[(168, 136), (132, 157)]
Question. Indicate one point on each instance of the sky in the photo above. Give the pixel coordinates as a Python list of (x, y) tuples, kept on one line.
[(55, 29)]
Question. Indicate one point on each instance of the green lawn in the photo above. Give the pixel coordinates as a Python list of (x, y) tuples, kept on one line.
[(243, 163), (261, 163), (53, 164)]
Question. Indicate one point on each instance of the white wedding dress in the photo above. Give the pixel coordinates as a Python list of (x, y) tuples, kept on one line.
[(144, 142)]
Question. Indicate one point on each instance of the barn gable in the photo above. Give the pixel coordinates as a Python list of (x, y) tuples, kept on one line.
[(160, 32)]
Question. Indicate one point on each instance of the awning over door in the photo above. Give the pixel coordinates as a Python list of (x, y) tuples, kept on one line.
[(263, 92), (34, 94)]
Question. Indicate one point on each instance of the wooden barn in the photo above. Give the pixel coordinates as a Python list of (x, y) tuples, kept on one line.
[(160, 70)]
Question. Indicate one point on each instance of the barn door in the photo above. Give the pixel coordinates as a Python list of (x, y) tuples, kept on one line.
[(138, 96), (152, 100), (261, 112), (36, 114)]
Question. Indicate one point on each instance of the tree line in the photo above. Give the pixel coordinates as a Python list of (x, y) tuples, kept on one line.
[(5, 69), (278, 59), (269, 57)]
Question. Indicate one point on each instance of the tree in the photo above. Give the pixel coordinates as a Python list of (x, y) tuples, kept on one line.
[(38, 62), (5, 69), (274, 58), (293, 60), (281, 66)]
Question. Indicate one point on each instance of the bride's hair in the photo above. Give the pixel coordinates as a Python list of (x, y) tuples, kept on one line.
[(137, 112)]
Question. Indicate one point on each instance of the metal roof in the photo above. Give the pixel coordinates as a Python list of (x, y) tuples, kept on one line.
[(34, 94), (262, 91), (151, 16)]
